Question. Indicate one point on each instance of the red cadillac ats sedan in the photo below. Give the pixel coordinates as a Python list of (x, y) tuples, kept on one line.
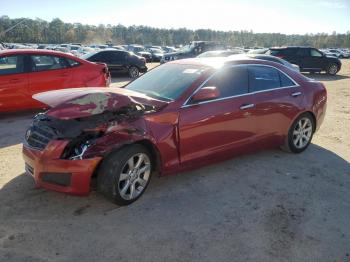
[(24, 73), (179, 116)]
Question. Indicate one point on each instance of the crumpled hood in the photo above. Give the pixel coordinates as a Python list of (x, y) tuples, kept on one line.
[(82, 102)]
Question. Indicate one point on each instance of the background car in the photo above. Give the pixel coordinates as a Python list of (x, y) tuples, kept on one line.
[(169, 49), (156, 54), (193, 49), (141, 51), (119, 61), (24, 73), (158, 122), (308, 59), (339, 53)]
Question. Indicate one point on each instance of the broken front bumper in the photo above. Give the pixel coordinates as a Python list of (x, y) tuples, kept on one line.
[(52, 173)]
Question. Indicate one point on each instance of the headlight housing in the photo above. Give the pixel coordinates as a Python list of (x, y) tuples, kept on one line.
[(76, 149)]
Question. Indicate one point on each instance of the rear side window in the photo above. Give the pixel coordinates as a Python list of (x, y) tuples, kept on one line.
[(11, 65), (282, 52), (72, 62), (102, 57), (47, 62), (117, 56), (303, 52), (276, 52), (230, 81), (265, 78)]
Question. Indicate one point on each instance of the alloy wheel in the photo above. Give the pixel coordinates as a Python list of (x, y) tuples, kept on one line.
[(134, 72), (134, 176), (333, 69), (302, 133)]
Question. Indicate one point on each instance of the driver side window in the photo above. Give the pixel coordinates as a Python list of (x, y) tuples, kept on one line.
[(230, 81)]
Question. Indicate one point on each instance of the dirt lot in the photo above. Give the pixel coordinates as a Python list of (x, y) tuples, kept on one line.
[(268, 206)]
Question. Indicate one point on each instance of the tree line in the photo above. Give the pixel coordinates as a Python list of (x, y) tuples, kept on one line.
[(57, 32)]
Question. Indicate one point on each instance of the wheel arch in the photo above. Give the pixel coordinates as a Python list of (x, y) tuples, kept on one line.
[(155, 154), (153, 150), (306, 112)]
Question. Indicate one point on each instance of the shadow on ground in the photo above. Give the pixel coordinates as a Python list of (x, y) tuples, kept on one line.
[(268, 206), (14, 125), (325, 77)]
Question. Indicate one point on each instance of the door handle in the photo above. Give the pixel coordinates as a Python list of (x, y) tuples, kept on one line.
[(64, 74), (246, 106), (295, 94)]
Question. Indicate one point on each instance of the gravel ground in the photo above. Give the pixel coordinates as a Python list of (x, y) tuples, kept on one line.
[(267, 206)]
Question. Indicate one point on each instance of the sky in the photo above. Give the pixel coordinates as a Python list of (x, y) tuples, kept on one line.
[(262, 16)]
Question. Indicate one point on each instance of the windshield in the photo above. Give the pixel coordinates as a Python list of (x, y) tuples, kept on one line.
[(168, 81)]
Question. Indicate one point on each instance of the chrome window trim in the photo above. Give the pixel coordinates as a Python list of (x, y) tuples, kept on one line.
[(185, 105)]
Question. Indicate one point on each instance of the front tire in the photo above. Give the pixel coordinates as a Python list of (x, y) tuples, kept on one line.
[(300, 134), (124, 175), (134, 72), (332, 69)]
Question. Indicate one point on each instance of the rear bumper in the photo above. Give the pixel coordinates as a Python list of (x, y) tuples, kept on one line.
[(52, 173)]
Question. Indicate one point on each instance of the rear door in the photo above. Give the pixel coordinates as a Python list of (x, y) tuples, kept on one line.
[(117, 60), (277, 100), (49, 72), (213, 127), (13, 83)]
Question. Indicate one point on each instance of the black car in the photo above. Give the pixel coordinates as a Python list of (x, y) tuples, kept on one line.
[(308, 59), (194, 49), (156, 54), (119, 61)]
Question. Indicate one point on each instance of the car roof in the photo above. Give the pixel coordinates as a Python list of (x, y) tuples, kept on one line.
[(32, 51), (40, 52), (285, 47), (217, 62)]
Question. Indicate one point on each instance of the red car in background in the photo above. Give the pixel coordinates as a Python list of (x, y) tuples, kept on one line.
[(24, 73), (180, 115)]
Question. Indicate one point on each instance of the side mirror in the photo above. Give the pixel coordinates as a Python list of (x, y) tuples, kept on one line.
[(205, 94)]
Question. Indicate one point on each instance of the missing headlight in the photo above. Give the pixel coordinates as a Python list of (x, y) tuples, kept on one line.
[(77, 148)]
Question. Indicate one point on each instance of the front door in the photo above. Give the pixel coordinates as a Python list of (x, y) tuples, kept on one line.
[(13, 83), (215, 126)]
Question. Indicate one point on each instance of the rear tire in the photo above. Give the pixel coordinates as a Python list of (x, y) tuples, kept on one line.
[(125, 174), (300, 134), (134, 72)]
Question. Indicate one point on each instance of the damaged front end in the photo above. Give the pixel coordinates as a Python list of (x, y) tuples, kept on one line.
[(64, 145), (82, 132)]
